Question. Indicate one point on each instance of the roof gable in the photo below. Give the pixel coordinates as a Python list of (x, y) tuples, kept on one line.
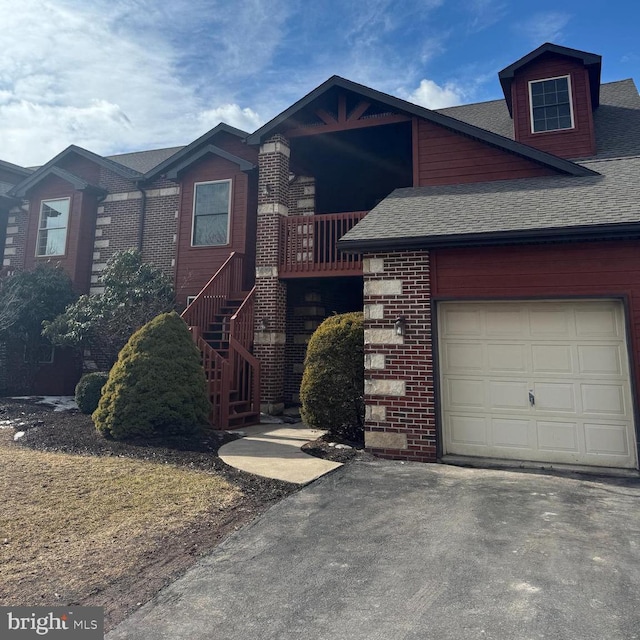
[(397, 104), (591, 61), (14, 168), (20, 190), (244, 165), (45, 170), (182, 156)]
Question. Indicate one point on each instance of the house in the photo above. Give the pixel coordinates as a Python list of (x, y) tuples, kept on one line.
[(493, 247)]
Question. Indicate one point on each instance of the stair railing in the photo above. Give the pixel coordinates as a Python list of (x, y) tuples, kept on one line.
[(245, 367), (198, 315), (226, 280)]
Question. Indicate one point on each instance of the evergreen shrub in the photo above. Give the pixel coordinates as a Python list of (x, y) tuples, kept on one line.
[(88, 390), (332, 390), (157, 386)]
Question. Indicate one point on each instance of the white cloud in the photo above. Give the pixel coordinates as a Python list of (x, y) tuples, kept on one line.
[(245, 119), (80, 74), (433, 96), (544, 27)]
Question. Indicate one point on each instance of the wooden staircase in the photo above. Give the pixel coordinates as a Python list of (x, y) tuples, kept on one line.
[(221, 323)]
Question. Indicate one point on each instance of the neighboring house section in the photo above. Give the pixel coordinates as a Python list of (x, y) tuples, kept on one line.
[(492, 246)]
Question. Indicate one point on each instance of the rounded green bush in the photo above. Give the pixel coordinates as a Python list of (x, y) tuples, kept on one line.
[(332, 390), (89, 389), (157, 387)]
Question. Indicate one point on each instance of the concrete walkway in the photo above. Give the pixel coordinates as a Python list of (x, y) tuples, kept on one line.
[(273, 451)]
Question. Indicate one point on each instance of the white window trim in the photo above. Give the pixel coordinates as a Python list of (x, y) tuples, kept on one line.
[(193, 214), (190, 299), (573, 122), (66, 237)]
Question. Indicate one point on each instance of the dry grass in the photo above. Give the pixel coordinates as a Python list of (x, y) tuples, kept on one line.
[(71, 524)]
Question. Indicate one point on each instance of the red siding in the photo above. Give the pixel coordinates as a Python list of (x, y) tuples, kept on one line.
[(570, 143), (604, 269), (196, 265), (445, 157), (80, 231)]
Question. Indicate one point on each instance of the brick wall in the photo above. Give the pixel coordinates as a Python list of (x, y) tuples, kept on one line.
[(271, 293), (16, 237), (302, 196), (160, 225), (399, 393)]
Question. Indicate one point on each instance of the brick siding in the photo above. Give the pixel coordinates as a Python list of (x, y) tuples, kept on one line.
[(399, 392)]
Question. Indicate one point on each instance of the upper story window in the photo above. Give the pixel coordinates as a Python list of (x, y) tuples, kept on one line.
[(52, 229), (551, 106), (211, 204)]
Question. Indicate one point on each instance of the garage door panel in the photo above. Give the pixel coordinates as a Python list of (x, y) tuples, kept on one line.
[(597, 321), (467, 322), (511, 433), (464, 393), (508, 394), (558, 436), (463, 356), (467, 430), (551, 358), (601, 360), (506, 358), (571, 354), (505, 321), (606, 439), (553, 321), (603, 399), (555, 396)]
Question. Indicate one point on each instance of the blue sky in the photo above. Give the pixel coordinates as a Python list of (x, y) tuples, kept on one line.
[(121, 75)]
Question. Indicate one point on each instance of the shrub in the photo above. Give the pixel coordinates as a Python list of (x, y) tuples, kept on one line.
[(88, 390), (157, 387), (332, 390)]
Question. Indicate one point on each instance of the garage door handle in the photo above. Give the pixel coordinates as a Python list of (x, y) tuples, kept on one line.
[(532, 398)]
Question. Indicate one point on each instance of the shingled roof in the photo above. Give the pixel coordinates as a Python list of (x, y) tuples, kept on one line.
[(506, 211), (143, 161)]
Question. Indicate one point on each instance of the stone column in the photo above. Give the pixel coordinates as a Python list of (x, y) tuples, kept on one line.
[(271, 292)]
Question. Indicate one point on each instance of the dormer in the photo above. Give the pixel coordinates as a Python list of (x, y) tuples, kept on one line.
[(551, 94)]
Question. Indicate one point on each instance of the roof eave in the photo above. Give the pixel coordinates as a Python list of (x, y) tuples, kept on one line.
[(618, 231)]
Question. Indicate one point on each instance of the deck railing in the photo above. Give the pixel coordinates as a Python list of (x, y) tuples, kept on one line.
[(308, 244)]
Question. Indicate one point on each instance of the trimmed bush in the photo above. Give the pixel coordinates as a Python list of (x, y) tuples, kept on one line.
[(89, 389), (157, 387), (332, 390)]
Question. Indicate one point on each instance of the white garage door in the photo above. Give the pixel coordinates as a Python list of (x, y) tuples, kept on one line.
[(542, 381)]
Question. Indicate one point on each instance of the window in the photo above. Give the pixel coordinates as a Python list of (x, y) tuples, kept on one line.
[(52, 230), (551, 108), (211, 213)]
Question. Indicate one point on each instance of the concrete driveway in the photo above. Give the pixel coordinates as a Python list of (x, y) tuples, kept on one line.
[(380, 550)]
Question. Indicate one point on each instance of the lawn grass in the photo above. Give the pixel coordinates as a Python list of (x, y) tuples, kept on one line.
[(70, 524)]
